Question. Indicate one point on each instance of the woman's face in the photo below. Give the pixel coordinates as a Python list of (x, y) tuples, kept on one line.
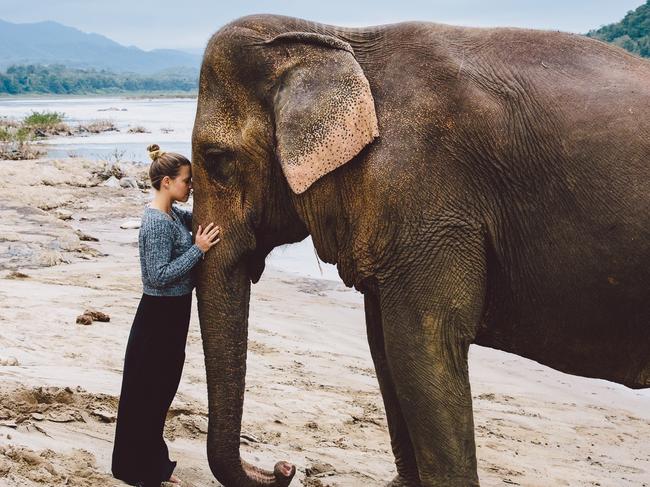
[(179, 187)]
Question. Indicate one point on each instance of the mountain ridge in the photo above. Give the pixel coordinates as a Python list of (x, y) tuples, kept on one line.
[(49, 42)]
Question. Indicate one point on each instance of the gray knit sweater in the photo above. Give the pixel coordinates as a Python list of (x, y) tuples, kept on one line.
[(167, 254)]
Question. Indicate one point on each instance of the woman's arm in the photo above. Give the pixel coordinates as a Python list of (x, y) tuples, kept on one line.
[(157, 255)]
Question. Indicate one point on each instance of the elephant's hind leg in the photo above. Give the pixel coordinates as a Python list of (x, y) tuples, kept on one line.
[(429, 318), (407, 470)]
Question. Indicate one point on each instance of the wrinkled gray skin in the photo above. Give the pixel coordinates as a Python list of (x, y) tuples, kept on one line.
[(505, 202)]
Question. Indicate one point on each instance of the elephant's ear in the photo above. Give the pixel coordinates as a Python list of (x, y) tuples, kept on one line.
[(324, 110)]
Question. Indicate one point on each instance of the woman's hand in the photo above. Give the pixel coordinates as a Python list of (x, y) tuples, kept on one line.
[(206, 238)]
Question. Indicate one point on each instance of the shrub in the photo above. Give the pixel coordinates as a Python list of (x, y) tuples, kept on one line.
[(15, 141), (5, 135), (43, 119)]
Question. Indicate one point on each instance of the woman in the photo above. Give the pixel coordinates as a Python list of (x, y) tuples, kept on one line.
[(156, 348)]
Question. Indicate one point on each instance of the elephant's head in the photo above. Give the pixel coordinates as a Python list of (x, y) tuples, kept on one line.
[(279, 107)]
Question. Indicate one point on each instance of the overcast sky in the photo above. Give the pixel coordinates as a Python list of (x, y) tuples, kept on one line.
[(151, 24)]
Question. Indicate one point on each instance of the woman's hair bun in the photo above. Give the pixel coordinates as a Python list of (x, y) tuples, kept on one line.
[(154, 151), (164, 164)]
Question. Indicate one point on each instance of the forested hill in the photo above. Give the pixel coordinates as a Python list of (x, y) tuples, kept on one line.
[(632, 33), (61, 80)]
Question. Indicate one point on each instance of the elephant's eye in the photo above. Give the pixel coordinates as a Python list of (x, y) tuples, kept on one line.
[(220, 165)]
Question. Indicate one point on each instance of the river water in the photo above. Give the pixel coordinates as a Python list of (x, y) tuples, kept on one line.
[(169, 122)]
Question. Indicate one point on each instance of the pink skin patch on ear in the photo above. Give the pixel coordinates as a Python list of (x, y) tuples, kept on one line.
[(348, 134)]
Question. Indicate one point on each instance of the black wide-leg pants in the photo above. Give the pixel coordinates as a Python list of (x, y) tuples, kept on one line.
[(153, 365)]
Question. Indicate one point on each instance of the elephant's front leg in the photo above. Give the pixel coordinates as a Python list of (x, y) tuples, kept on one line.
[(407, 469), (429, 319)]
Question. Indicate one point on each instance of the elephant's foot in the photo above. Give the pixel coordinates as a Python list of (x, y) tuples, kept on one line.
[(400, 481)]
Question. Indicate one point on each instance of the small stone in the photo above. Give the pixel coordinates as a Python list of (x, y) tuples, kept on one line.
[(60, 417), (84, 319), (84, 237), (313, 482), (130, 224), (319, 469), (9, 361), (49, 258), (111, 182), (10, 237), (16, 275), (138, 130), (63, 214), (97, 315), (31, 457), (105, 416), (194, 423), (128, 182), (201, 425), (5, 466), (38, 416)]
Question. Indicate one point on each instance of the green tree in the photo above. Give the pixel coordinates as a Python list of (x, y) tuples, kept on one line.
[(62, 80), (632, 33)]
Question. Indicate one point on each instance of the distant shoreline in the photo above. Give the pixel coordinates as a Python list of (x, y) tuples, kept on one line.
[(125, 94)]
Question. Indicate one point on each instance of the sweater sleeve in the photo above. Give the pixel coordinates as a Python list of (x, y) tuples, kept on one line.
[(185, 216), (158, 244)]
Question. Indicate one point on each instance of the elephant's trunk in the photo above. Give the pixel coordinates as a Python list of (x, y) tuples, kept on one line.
[(223, 299)]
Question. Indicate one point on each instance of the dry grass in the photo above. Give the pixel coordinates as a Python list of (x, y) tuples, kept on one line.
[(139, 130), (18, 151), (17, 136), (15, 142), (98, 126)]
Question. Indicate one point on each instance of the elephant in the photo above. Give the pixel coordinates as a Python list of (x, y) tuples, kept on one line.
[(484, 186)]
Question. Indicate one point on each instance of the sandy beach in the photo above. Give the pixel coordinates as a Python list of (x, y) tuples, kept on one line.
[(312, 396)]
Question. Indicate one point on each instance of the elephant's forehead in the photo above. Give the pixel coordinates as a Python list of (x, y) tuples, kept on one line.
[(227, 127), (214, 126), (221, 108)]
